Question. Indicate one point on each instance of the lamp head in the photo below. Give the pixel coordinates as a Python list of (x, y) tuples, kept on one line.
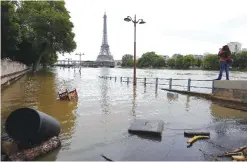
[(128, 19), (142, 22)]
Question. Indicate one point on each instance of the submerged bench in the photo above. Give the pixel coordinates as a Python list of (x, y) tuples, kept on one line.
[(142, 126)]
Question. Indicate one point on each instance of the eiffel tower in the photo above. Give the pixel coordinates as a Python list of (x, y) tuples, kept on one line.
[(105, 58)]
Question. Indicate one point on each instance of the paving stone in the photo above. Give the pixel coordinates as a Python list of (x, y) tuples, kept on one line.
[(142, 126)]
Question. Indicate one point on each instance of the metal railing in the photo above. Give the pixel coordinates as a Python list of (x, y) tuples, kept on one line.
[(165, 81)]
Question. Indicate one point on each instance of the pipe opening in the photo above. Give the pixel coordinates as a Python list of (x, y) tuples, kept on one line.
[(23, 124)]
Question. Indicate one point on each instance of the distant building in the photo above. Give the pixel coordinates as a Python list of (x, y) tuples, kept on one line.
[(235, 47), (198, 56), (244, 49)]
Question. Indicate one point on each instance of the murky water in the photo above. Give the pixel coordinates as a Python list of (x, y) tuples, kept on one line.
[(98, 123)]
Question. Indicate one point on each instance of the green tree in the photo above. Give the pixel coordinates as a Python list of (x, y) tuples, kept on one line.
[(49, 59), (179, 62), (177, 55), (47, 27), (159, 61), (188, 61), (10, 33), (211, 62), (171, 62), (151, 59), (198, 62), (127, 60), (235, 63), (241, 60)]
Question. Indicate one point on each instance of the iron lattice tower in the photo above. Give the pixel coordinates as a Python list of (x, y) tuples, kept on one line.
[(105, 54)]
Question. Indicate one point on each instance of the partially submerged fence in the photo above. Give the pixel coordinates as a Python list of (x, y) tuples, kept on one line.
[(182, 84)]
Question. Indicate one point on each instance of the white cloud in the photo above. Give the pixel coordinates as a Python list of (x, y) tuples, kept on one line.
[(173, 26)]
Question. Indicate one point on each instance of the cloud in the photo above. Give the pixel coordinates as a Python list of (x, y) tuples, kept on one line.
[(221, 33), (190, 26)]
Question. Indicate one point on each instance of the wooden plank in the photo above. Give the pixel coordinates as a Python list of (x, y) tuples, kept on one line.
[(192, 134)]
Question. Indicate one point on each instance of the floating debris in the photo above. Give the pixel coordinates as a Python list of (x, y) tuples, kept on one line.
[(239, 158), (195, 138), (68, 96), (192, 134), (106, 158), (239, 154)]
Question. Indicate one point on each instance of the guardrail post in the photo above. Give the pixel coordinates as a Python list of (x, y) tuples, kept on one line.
[(115, 78), (157, 82), (189, 81), (121, 79), (213, 87), (110, 77), (128, 80), (170, 83), (145, 81)]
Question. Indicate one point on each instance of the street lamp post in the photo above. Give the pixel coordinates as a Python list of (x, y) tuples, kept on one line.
[(80, 54), (140, 21)]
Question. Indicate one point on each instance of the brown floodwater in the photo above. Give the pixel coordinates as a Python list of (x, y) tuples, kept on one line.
[(98, 123)]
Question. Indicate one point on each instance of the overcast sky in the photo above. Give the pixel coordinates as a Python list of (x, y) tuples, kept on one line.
[(172, 26)]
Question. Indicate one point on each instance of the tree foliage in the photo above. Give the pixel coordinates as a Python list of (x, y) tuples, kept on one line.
[(151, 59), (198, 62), (127, 60), (10, 28), (171, 63), (240, 60), (188, 60), (211, 62), (44, 30), (179, 61)]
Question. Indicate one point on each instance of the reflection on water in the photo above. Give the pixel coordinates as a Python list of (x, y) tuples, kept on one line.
[(187, 103), (39, 92), (150, 137), (104, 88), (134, 102), (105, 108), (172, 96)]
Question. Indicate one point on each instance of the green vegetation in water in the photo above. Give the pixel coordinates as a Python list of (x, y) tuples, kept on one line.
[(188, 62), (34, 32)]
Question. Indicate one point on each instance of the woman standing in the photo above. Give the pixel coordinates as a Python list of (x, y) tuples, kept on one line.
[(225, 60)]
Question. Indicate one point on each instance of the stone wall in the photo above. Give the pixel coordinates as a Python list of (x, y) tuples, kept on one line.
[(11, 71), (8, 67), (231, 89)]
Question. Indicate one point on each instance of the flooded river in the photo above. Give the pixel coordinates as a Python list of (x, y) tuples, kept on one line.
[(98, 123)]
